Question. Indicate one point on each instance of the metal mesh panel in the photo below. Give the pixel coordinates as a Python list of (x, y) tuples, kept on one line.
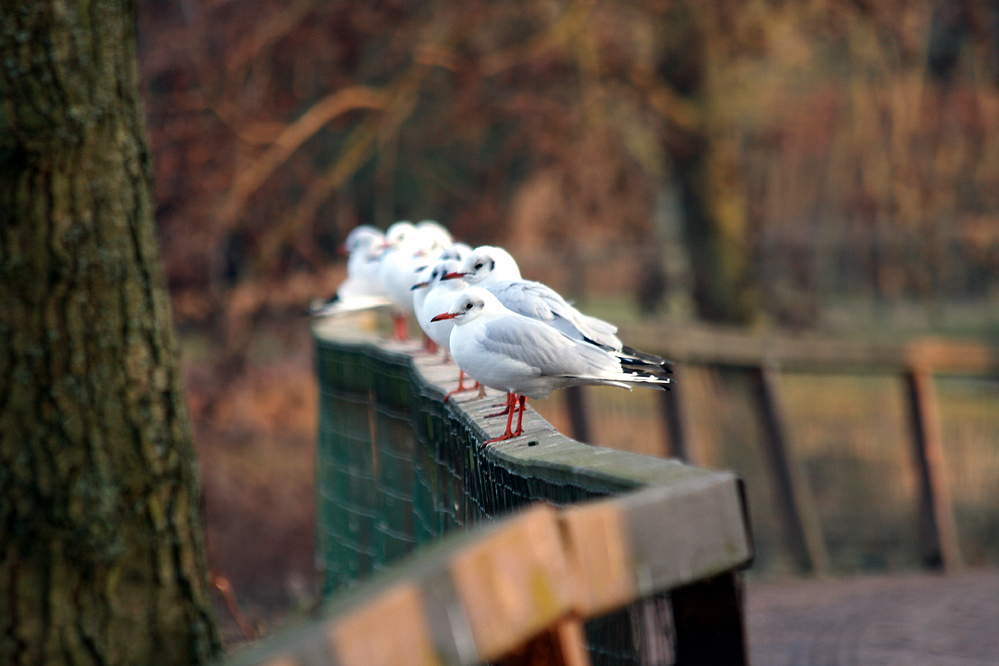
[(397, 468)]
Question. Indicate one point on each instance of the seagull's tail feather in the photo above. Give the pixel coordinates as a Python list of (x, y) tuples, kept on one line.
[(646, 372)]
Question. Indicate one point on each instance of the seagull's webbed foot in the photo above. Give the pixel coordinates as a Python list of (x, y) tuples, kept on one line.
[(509, 433), (461, 386)]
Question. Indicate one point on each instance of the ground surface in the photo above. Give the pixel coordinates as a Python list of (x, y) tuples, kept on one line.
[(911, 620)]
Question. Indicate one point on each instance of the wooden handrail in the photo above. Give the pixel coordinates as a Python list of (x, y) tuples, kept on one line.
[(722, 346)]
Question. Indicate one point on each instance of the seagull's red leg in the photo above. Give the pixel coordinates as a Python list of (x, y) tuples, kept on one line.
[(429, 345), (507, 434), (511, 400), (461, 385), (520, 417), (401, 329)]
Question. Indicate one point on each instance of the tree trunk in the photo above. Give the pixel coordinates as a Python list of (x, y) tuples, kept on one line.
[(713, 202), (102, 559)]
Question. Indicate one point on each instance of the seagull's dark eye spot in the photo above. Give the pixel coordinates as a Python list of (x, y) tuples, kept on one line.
[(468, 306), (478, 265)]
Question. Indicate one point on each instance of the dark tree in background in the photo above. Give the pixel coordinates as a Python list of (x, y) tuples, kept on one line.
[(713, 205), (102, 560)]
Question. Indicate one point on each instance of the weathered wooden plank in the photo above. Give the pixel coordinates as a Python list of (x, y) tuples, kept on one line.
[(656, 539), (513, 583), (389, 629), (599, 557)]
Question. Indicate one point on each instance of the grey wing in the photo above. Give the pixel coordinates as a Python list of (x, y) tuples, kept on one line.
[(541, 302), (525, 298), (543, 349)]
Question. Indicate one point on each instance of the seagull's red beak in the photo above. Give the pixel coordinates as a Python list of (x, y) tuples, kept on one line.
[(444, 315), (453, 276)]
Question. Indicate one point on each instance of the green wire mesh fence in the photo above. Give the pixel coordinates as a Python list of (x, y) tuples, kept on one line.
[(397, 468)]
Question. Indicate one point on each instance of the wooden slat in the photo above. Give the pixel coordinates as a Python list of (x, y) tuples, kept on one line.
[(630, 547), (390, 629), (514, 582), (599, 557)]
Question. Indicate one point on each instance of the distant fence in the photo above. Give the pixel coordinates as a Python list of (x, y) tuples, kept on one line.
[(397, 468), (762, 360)]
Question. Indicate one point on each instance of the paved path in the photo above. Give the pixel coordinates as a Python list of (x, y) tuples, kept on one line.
[(910, 620)]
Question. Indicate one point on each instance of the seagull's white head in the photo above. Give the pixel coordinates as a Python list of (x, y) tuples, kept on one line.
[(469, 304), (429, 239), (400, 233), (435, 229), (363, 238), (487, 264), (457, 251), (433, 274)]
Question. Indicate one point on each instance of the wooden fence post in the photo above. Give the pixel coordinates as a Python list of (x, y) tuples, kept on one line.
[(579, 423), (673, 408), (708, 617), (937, 531), (794, 500)]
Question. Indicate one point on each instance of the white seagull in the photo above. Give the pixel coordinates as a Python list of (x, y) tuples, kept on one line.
[(408, 247), (362, 289), (529, 359), (494, 269), (432, 295)]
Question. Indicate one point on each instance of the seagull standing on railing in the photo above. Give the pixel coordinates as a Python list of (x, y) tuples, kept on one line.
[(432, 295), (494, 269), (362, 289), (529, 359), (407, 249)]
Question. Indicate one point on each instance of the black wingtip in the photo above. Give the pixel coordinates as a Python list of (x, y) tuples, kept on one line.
[(644, 357)]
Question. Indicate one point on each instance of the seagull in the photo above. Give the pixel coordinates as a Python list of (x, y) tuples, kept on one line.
[(494, 269), (431, 295), (528, 358), (407, 247), (362, 289)]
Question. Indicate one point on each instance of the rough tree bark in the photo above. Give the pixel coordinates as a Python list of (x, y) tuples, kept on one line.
[(102, 560)]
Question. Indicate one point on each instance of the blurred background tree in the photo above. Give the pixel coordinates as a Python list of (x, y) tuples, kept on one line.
[(812, 165), (752, 158), (103, 559)]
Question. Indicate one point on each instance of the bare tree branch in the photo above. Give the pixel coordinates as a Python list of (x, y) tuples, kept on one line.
[(247, 182)]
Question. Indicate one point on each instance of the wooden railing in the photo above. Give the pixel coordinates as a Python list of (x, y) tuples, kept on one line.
[(764, 358), (648, 563)]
